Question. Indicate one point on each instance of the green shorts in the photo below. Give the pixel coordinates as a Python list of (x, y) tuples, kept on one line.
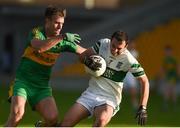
[(32, 94)]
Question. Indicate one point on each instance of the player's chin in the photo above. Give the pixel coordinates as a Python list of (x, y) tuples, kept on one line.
[(56, 33), (114, 54)]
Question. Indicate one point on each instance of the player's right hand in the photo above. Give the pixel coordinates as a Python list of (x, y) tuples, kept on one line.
[(72, 37), (89, 62), (141, 115)]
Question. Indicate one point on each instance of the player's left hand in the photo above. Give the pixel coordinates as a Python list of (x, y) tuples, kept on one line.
[(141, 115), (72, 37)]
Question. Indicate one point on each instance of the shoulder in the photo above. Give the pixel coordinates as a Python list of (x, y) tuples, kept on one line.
[(105, 40), (38, 32), (37, 29), (134, 53), (101, 44), (130, 58)]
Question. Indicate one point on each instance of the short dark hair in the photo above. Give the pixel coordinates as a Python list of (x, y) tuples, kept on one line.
[(54, 10), (120, 36)]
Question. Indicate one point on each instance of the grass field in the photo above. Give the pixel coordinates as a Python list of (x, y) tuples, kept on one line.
[(125, 117)]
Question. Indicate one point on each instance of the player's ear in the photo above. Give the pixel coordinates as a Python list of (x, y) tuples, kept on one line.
[(126, 45)]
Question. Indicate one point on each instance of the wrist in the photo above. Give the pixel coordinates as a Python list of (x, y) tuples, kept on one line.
[(62, 36), (143, 107)]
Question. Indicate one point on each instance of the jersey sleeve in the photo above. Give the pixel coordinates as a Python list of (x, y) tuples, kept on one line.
[(96, 47), (136, 68), (65, 46), (35, 33), (100, 43)]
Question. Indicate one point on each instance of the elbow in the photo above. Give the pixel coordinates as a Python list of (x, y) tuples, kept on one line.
[(81, 58), (39, 50), (36, 46)]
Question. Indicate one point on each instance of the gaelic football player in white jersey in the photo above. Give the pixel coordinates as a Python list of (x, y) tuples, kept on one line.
[(103, 96)]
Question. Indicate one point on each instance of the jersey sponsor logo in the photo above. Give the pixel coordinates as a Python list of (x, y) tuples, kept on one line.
[(45, 58), (114, 75), (108, 73)]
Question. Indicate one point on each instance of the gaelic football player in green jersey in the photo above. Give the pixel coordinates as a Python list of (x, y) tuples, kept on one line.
[(32, 78), (169, 77), (103, 96)]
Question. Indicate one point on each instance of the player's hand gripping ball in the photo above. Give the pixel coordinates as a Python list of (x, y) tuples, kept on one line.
[(95, 65)]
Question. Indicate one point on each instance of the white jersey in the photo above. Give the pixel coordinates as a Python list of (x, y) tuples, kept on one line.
[(110, 84), (130, 81)]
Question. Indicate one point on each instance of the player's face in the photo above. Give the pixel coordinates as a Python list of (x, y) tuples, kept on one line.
[(54, 25), (117, 47)]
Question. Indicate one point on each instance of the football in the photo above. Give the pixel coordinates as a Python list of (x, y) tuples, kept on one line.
[(97, 58)]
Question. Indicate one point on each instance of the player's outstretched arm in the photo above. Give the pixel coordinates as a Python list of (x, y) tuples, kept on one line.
[(86, 53), (44, 45)]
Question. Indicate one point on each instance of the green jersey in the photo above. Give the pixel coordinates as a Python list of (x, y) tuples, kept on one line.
[(170, 67), (35, 67)]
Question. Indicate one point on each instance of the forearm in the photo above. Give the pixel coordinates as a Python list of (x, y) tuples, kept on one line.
[(144, 91), (80, 49), (86, 53), (44, 45)]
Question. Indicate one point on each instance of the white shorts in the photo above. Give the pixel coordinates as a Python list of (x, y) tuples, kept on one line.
[(90, 101)]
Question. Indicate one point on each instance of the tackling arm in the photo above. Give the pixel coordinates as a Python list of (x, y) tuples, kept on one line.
[(85, 54), (80, 50), (44, 45)]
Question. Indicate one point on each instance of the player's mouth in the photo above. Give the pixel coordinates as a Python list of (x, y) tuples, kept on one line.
[(57, 32), (113, 53)]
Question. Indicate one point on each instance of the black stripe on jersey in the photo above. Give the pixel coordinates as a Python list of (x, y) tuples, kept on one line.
[(96, 47), (98, 43)]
